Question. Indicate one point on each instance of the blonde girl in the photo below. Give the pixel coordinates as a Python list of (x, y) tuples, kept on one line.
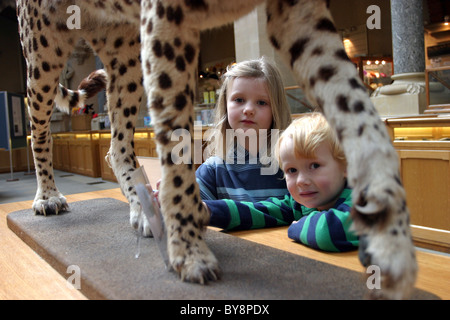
[(251, 108)]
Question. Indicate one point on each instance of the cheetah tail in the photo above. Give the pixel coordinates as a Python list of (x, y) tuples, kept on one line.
[(67, 99)]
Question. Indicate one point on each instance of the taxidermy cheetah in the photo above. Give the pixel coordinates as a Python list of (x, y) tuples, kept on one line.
[(155, 45)]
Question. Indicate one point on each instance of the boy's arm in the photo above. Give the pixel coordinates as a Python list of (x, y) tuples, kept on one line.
[(236, 215), (326, 230)]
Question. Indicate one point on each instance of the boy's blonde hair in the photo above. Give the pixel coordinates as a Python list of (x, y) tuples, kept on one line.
[(307, 133), (260, 68)]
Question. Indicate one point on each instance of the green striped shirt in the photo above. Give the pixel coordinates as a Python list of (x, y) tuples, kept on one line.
[(327, 230)]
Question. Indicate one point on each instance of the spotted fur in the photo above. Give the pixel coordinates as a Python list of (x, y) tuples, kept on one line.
[(164, 36)]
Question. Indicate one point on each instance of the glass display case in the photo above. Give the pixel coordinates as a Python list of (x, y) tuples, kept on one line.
[(438, 89)]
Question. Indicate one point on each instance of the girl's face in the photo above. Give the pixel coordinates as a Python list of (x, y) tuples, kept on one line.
[(248, 104), (313, 182)]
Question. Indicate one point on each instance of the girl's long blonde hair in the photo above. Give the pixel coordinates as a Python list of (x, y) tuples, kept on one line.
[(281, 113)]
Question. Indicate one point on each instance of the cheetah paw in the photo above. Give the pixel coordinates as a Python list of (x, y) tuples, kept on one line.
[(139, 221), (195, 262), (52, 205), (381, 218), (392, 263)]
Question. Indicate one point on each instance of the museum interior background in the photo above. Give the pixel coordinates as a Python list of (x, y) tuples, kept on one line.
[(402, 54)]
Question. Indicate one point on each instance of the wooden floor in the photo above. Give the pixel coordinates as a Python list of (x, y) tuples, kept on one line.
[(24, 275)]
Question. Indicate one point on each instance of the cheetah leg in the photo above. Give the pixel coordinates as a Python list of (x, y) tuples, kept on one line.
[(43, 69), (169, 62), (305, 36), (124, 94), (48, 199)]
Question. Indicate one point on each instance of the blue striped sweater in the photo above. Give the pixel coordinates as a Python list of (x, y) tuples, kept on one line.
[(241, 182)]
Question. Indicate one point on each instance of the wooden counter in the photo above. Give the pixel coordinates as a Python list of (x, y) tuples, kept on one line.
[(423, 146), (84, 152), (20, 160), (77, 152), (144, 146)]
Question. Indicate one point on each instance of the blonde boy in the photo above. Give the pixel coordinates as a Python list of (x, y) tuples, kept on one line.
[(319, 201)]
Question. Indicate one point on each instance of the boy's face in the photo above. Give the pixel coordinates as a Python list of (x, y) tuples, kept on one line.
[(313, 182)]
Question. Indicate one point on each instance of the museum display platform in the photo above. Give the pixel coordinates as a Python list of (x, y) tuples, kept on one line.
[(96, 239)]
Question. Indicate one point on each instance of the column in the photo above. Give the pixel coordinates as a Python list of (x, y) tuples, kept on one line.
[(408, 36), (406, 95)]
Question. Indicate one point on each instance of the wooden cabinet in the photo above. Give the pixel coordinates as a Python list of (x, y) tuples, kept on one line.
[(425, 168), (61, 157), (423, 146), (144, 146), (103, 147), (84, 152), (77, 152), (20, 160)]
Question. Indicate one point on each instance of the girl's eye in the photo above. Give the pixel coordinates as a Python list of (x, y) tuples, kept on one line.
[(239, 100), (262, 103)]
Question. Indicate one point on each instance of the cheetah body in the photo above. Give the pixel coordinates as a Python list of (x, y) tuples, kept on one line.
[(154, 45)]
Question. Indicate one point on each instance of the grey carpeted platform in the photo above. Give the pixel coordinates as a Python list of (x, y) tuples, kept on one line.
[(96, 237)]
